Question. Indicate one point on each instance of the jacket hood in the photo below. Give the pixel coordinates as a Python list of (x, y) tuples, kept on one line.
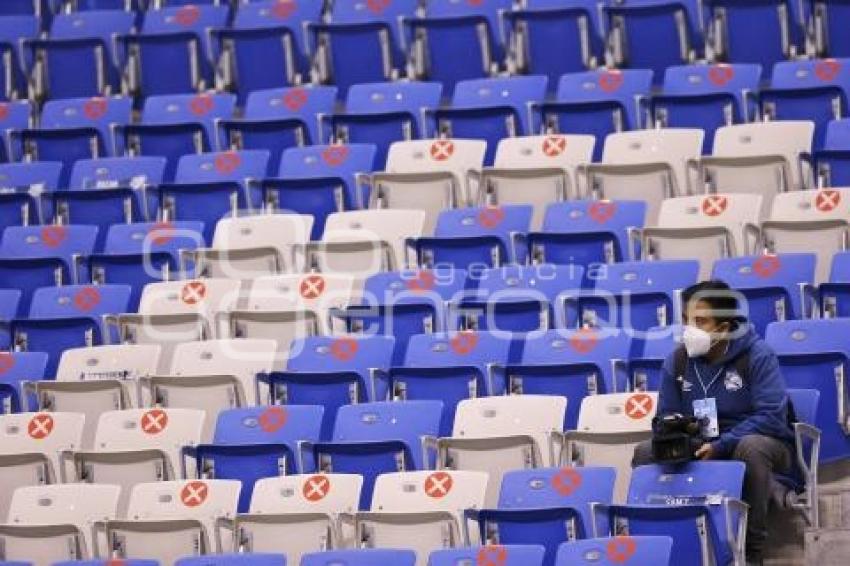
[(744, 339)]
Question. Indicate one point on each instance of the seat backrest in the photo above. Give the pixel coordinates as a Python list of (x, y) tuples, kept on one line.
[(731, 211), (448, 8), (48, 241), (95, 23), (273, 14), (648, 276), (125, 362), (840, 268), (149, 237), (79, 301), (544, 281), (538, 152), (441, 283), (489, 417), (388, 12), (301, 291), (97, 112), (393, 226), (182, 108), (42, 175), (75, 504), (204, 296), (516, 92), (246, 559), (838, 134), (811, 74), (615, 550), (279, 231), (393, 97), (809, 336), (689, 484), (477, 349), (502, 554), (485, 221), (111, 172), (674, 146), (302, 103), (592, 216), (805, 403), (617, 412), (341, 353), (203, 500), (308, 493), (45, 433), (187, 18), (18, 366), (361, 557), (782, 270), (222, 166), (284, 424), (139, 429), (429, 491), (456, 156), (606, 84), (327, 161), (710, 79), (821, 204)]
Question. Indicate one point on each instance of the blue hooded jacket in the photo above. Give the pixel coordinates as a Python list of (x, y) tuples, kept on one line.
[(753, 404)]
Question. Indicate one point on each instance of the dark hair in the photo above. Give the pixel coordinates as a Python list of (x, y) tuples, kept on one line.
[(720, 297)]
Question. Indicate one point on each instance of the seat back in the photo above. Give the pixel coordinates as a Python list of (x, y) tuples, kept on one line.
[(111, 172), (43, 433), (391, 226), (90, 301), (607, 85), (48, 241), (240, 166), (205, 297), (618, 412), (300, 103), (315, 292), (15, 368), (308, 493), (615, 550), (505, 554), (97, 112), (428, 492), (203, 109), (362, 557)]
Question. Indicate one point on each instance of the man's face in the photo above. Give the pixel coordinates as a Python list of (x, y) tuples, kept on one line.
[(698, 313)]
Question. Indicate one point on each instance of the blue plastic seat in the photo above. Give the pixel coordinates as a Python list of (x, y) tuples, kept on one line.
[(596, 103), (374, 438), (835, 295), (176, 125), (553, 37), (138, 254), (546, 506), (13, 29), (67, 317), (675, 502), (612, 551), (828, 18), (171, 55), (16, 115), (277, 119), (83, 5), (752, 31), (706, 97), (21, 185), (98, 113), (815, 90), (15, 368), (331, 372), (831, 165), (515, 298), (586, 232), (474, 237), (361, 42), (245, 167), (635, 295), (112, 176), (319, 180), (127, 562), (499, 554), (362, 557), (449, 28), (61, 145), (645, 367), (448, 368), (9, 299), (242, 559), (265, 47), (254, 443), (813, 354), (490, 109), (775, 286), (382, 113), (570, 363)]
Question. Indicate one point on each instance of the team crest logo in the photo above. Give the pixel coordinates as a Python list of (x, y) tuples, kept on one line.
[(733, 381), (687, 386)]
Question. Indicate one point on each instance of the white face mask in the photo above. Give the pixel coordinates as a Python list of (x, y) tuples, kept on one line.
[(696, 340)]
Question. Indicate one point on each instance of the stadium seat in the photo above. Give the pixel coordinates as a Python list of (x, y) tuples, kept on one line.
[(9, 299), (246, 247), (267, 31), (360, 43), (615, 550), (138, 254), (507, 555), (50, 523), (706, 97), (21, 186), (17, 368), (254, 443), (776, 287), (329, 371), (374, 438), (382, 113), (319, 180), (245, 167), (807, 438), (608, 429), (32, 443), (474, 237), (813, 355), (498, 435), (421, 510), (171, 55), (595, 103), (648, 165), (447, 367), (835, 294), (241, 559), (490, 110), (546, 506), (645, 365), (806, 222), (586, 232), (277, 119), (449, 28), (307, 506), (13, 28), (179, 515), (140, 174), (172, 312), (827, 16), (551, 37), (361, 557), (14, 115), (829, 166), (132, 446), (708, 227)]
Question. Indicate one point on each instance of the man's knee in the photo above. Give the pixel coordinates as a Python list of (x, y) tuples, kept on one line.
[(643, 454), (753, 447)]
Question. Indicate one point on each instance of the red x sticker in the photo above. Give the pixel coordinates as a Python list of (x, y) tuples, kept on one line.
[(95, 108), (620, 549), (87, 298), (193, 292), (227, 162), (438, 485), (553, 146), (377, 6), (584, 340), (335, 155), (295, 98), (40, 426), (344, 349), (316, 488), (187, 15), (721, 74), (491, 555), (283, 9), (827, 70), (491, 216), (827, 200), (52, 236), (612, 80), (714, 205), (4, 110), (161, 233), (7, 361), (766, 266), (638, 406), (201, 105), (441, 150), (464, 343), (566, 481), (154, 421), (602, 211), (272, 419), (312, 287), (421, 282), (194, 493)]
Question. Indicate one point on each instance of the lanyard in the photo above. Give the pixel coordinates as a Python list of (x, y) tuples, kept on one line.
[(714, 379)]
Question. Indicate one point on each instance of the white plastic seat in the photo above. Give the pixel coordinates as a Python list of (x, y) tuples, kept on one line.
[(609, 427), (172, 312), (304, 507), (138, 445), (707, 227), (809, 221), (536, 170), (648, 165), (420, 510), (429, 175), (392, 227), (245, 247), (30, 444), (760, 158), (53, 523), (97, 379), (170, 519), (499, 434)]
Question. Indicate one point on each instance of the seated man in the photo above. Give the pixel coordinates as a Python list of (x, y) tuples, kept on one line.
[(728, 377)]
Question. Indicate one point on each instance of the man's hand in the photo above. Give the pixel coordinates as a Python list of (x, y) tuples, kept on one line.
[(705, 452)]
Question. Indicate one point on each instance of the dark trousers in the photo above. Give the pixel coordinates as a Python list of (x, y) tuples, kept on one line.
[(764, 456)]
